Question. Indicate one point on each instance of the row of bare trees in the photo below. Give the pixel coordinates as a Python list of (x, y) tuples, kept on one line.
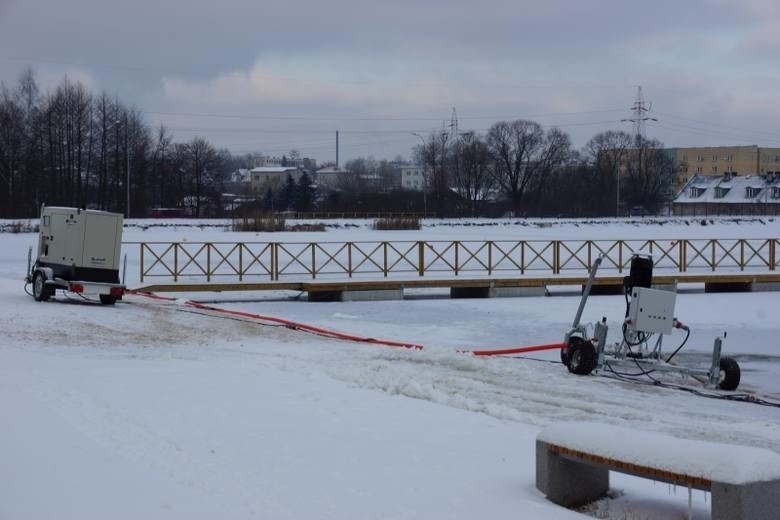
[(72, 147), (519, 167)]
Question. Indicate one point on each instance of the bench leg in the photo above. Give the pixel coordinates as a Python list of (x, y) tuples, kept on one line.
[(750, 501), (567, 482)]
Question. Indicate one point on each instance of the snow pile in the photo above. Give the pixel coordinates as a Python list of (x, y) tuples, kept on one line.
[(725, 463)]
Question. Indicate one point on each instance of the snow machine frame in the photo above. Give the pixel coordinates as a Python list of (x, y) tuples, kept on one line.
[(583, 355)]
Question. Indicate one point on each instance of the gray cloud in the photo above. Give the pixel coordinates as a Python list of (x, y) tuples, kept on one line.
[(347, 59)]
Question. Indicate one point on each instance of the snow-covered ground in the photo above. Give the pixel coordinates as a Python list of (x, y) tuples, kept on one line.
[(157, 410)]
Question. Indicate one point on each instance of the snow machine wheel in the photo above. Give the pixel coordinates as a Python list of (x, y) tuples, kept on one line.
[(574, 340), (582, 357), (729, 374), (41, 291), (107, 299)]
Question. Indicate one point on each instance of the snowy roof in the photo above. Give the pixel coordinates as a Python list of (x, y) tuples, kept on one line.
[(331, 170), (729, 190), (273, 169)]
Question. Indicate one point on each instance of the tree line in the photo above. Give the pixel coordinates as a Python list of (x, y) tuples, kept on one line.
[(73, 148), (517, 167)]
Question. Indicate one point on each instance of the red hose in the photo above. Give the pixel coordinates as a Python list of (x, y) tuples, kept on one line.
[(351, 337)]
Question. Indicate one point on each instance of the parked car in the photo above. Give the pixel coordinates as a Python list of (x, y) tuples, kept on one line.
[(638, 211)]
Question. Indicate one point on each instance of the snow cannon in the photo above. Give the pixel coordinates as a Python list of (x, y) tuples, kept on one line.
[(649, 317), (78, 252)]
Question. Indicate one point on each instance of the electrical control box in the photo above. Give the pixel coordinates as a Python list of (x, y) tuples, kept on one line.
[(651, 310), (80, 244)]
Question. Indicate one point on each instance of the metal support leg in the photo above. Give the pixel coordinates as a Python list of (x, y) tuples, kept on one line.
[(715, 368)]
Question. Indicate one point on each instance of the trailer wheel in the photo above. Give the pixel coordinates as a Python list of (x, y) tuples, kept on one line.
[(41, 291), (582, 357), (573, 340), (729, 374), (107, 299)]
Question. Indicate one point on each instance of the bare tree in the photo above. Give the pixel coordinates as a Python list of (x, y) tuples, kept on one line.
[(433, 156), (650, 174), (516, 148), (607, 152), (12, 132), (200, 163), (470, 169), (554, 154)]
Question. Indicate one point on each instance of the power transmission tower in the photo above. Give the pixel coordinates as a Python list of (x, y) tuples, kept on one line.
[(640, 110), (454, 125)]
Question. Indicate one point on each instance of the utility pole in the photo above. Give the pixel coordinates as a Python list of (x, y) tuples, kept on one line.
[(127, 151), (337, 149)]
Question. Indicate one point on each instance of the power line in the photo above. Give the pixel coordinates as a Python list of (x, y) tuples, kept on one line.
[(719, 125), (377, 118)]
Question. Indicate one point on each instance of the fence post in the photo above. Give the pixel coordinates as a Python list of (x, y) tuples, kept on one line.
[(712, 264), (313, 261), (620, 256), (208, 261), (240, 261), (590, 243), (384, 246), (175, 261), (456, 257), (274, 261), (772, 251), (683, 260), (522, 257), (490, 257), (349, 259), (142, 261), (556, 257), (421, 258)]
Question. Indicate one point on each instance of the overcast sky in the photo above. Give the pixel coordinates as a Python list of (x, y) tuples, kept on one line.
[(269, 76)]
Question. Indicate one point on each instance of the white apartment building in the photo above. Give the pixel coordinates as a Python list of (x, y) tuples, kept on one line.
[(412, 177)]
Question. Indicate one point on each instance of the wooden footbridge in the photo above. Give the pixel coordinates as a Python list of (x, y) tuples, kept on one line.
[(466, 267)]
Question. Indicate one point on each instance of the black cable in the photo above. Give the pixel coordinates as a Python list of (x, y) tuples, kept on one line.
[(740, 398), (627, 374), (556, 362), (687, 335)]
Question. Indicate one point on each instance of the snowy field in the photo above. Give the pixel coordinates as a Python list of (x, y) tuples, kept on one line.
[(156, 410)]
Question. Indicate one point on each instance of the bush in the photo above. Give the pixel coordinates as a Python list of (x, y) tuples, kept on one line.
[(19, 227), (270, 222), (260, 222), (397, 223), (319, 226)]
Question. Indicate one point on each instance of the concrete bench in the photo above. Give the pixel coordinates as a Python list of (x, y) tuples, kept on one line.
[(573, 461)]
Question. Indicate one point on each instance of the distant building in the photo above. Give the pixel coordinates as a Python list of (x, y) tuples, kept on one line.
[(303, 163), (412, 177), (718, 160), (330, 177), (264, 177), (729, 194), (240, 176)]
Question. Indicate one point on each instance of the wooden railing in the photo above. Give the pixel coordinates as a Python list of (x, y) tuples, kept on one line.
[(273, 261)]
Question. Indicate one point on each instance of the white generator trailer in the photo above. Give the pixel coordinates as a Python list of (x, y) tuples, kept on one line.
[(78, 251)]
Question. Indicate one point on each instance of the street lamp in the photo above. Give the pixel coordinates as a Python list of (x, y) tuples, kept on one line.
[(118, 123), (425, 180)]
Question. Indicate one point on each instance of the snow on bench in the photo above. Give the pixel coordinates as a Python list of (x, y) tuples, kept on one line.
[(573, 461)]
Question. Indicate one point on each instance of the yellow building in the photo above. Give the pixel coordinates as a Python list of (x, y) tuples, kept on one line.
[(719, 160)]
